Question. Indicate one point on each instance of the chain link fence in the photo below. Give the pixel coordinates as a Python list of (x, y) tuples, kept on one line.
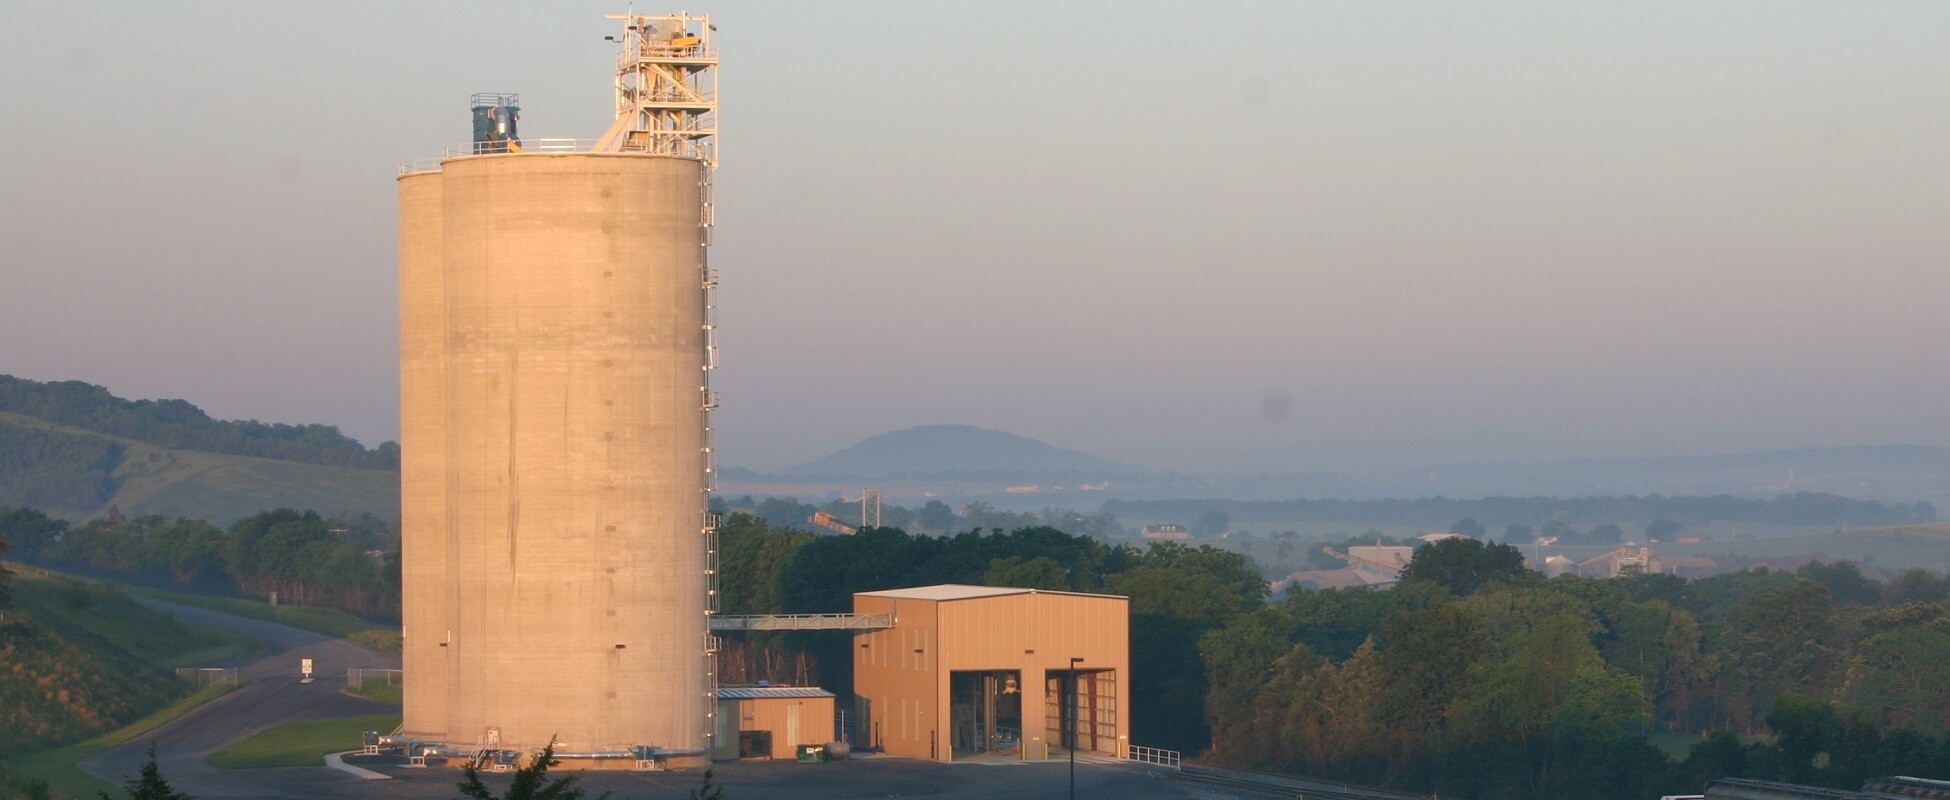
[(357, 677)]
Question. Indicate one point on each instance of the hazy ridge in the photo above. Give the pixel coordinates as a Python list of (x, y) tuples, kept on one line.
[(957, 450)]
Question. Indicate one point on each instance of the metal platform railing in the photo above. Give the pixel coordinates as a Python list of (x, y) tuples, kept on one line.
[(1154, 755), (651, 52), (804, 622), (547, 145)]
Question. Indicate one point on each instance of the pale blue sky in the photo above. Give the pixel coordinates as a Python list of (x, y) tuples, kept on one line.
[(1444, 231)]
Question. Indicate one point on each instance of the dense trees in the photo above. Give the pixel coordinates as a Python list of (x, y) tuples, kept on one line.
[(1464, 565), (180, 425), (52, 469), (1521, 687), (304, 558)]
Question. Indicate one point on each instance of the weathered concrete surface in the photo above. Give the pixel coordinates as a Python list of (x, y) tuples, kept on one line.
[(424, 535), (573, 572)]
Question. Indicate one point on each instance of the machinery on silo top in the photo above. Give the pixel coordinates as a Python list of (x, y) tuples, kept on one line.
[(495, 115), (666, 87)]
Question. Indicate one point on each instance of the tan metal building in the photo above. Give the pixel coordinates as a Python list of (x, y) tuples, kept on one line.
[(981, 672), (770, 721)]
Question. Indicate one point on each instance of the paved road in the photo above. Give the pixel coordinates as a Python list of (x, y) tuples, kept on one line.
[(273, 697)]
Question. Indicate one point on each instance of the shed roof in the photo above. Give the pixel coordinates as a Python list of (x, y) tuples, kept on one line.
[(762, 692), (957, 591)]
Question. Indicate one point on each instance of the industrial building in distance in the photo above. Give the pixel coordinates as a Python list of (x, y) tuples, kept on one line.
[(559, 561)]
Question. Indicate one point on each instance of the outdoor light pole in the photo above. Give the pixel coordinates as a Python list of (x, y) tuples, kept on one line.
[(1070, 715)]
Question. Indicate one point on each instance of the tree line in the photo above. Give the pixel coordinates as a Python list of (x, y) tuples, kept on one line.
[(179, 425), (1477, 677), (52, 469), (351, 563), (933, 516), (1474, 676), (1178, 594), (1800, 508)]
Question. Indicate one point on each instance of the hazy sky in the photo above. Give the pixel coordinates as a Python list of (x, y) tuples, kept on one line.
[(1311, 235)]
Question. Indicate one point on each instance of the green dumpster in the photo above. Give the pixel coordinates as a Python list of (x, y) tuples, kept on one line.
[(812, 753)]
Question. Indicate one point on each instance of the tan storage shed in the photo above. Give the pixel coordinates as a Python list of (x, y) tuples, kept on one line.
[(770, 721), (993, 673)]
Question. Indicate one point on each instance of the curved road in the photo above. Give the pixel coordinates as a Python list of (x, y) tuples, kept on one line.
[(273, 697)]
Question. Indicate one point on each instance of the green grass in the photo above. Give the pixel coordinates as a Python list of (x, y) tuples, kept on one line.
[(1679, 745), (328, 621), (377, 691), (57, 767), (1675, 745), (385, 640), (299, 744), (100, 609)]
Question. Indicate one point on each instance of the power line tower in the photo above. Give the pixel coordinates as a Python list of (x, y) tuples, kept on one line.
[(869, 508)]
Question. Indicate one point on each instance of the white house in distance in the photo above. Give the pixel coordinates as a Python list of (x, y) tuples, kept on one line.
[(1166, 531)]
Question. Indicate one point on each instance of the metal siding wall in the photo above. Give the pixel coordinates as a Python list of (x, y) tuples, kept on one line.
[(991, 633), (423, 464), (902, 688), (574, 433), (769, 714)]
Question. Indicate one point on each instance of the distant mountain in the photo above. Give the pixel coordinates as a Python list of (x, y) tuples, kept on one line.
[(958, 450)]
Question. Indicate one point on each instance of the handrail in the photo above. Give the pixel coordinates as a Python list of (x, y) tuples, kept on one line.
[(532, 146), (802, 622), (695, 52), (1154, 755)]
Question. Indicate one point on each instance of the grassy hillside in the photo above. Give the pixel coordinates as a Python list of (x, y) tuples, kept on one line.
[(83, 659), (178, 425), (141, 478)]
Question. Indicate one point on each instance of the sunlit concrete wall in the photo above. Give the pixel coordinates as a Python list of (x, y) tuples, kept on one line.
[(423, 460), (574, 452)]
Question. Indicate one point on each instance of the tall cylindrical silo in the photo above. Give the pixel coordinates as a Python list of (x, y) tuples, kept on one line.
[(575, 472), (423, 461)]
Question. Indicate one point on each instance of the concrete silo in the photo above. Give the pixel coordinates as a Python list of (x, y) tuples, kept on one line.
[(558, 555)]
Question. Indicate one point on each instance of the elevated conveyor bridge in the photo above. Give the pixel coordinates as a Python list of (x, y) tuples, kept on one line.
[(803, 622)]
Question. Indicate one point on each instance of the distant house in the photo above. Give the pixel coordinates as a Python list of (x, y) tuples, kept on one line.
[(1693, 566), (1166, 531), (1381, 557), (1343, 578)]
